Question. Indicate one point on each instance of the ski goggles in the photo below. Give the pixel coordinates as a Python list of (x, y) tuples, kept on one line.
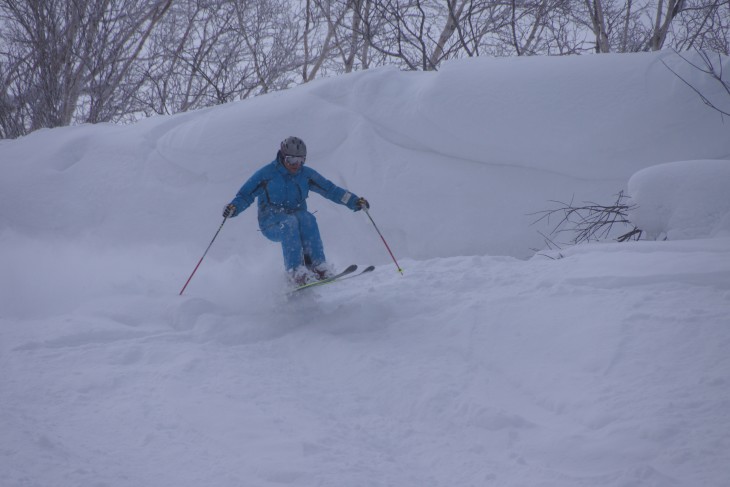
[(294, 160)]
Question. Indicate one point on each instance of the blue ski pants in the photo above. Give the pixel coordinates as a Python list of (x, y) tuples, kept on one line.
[(299, 236)]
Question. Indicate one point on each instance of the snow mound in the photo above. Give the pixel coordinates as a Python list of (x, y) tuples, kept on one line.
[(682, 200), (453, 162)]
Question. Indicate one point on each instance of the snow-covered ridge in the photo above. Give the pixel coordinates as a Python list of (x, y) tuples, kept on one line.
[(484, 141)]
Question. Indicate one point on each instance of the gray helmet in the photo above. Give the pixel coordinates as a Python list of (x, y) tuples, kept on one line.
[(293, 146)]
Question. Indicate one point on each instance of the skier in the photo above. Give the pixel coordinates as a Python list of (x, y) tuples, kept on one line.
[(282, 188)]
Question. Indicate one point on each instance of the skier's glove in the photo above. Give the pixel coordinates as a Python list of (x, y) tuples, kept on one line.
[(229, 211), (362, 203)]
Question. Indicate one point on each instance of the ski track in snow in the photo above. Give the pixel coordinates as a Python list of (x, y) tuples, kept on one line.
[(339, 387)]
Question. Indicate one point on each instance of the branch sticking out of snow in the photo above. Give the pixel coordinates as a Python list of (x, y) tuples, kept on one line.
[(590, 221)]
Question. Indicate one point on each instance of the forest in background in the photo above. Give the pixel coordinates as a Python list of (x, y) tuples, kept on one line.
[(65, 62)]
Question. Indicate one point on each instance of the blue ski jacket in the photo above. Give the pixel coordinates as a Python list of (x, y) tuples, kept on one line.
[(278, 191)]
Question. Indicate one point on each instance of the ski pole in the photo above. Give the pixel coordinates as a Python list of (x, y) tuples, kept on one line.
[(383, 239), (203, 257)]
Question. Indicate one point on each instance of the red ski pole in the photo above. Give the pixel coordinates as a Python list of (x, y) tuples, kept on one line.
[(203, 257), (383, 239)]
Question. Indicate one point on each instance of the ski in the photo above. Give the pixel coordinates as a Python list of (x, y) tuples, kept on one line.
[(347, 271), (364, 271)]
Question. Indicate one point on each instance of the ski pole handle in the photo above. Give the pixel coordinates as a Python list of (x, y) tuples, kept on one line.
[(384, 242)]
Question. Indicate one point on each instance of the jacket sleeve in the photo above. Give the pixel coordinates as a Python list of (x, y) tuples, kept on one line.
[(252, 188), (321, 185)]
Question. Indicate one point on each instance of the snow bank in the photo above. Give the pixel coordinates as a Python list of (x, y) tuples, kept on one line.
[(453, 162), (682, 200)]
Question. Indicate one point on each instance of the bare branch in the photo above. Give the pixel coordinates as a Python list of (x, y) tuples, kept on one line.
[(590, 221), (715, 72)]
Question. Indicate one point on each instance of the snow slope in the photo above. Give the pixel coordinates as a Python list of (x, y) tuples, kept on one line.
[(605, 365)]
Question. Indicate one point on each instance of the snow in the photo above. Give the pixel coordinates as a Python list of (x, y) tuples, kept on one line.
[(482, 365), (686, 199)]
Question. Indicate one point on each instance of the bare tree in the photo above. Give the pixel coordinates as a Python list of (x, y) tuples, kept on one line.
[(354, 44), (702, 24), (540, 27), (173, 58), (75, 61), (665, 14), (397, 31), (327, 18), (272, 36), (454, 11), (599, 24), (420, 34), (13, 113), (712, 68), (71, 59), (650, 25), (196, 58), (344, 45), (480, 27)]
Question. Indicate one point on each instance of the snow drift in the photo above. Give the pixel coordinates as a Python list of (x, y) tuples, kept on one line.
[(687, 199)]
